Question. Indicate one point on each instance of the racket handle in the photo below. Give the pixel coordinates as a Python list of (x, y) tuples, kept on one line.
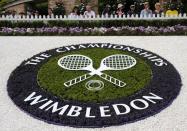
[(113, 80), (77, 80)]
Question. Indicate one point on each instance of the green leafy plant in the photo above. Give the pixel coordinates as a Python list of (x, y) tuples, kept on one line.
[(94, 23)]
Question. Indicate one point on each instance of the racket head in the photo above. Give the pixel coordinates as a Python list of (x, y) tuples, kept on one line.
[(75, 62), (118, 62)]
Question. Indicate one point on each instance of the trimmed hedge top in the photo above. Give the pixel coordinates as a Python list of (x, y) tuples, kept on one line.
[(95, 23)]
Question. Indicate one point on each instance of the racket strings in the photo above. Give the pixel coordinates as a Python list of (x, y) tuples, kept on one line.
[(119, 62), (75, 62)]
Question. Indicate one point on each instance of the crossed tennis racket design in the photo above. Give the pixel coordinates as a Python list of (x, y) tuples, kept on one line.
[(81, 62)]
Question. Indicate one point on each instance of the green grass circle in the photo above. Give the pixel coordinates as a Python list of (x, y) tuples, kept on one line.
[(51, 77)]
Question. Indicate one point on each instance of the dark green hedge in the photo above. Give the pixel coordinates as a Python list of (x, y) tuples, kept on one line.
[(94, 23)]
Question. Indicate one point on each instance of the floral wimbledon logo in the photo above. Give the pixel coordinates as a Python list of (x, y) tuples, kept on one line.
[(94, 85)]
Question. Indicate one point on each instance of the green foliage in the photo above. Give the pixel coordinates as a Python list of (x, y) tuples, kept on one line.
[(59, 9), (94, 23), (118, 23), (42, 7), (51, 78), (162, 23), (31, 24), (2, 3)]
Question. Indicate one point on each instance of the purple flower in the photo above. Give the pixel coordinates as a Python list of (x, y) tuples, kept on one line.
[(96, 30)]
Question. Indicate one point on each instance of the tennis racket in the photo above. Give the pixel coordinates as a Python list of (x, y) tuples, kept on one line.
[(81, 62)]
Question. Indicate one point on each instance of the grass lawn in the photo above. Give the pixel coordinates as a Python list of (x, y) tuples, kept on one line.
[(51, 77)]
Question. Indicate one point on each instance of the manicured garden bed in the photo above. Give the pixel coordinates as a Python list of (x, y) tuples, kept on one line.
[(95, 31), (95, 28), (51, 78)]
